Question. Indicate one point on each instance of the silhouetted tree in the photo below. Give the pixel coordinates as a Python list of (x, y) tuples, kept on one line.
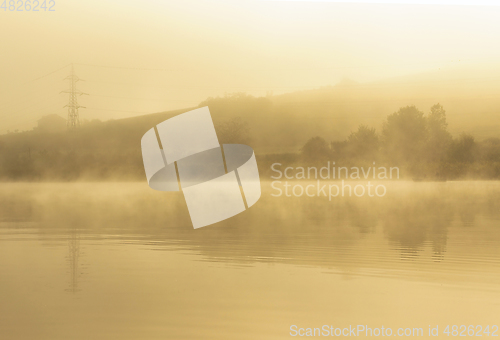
[(363, 143), (490, 150), (233, 131), (404, 135), (463, 149), (339, 150), (439, 139), (315, 149)]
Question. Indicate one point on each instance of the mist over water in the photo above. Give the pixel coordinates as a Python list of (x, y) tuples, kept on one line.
[(118, 260), (89, 251)]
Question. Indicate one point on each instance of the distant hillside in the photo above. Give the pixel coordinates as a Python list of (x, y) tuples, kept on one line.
[(471, 100), (284, 123), (271, 125)]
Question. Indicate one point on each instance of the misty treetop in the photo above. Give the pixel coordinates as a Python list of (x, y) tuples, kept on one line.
[(418, 143)]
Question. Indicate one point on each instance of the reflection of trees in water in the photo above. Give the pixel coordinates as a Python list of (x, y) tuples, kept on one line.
[(303, 230), (412, 224), (365, 220), (467, 212)]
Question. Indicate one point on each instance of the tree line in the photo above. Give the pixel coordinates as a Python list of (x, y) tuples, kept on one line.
[(420, 144)]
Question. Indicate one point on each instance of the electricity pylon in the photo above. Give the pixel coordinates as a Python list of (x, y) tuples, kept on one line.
[(73, 116), (74, 258)]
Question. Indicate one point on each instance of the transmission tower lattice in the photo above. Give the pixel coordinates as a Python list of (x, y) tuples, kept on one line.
[(73, 116)]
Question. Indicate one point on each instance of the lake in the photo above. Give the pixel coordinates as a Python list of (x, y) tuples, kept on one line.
[(121, 261)]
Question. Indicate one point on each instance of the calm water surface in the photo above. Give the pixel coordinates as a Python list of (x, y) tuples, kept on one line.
[(121, 261)]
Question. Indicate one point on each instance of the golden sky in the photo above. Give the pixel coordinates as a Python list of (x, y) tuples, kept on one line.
[(174, 54)]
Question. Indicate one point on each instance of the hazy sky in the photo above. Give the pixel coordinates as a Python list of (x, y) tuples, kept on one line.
[(174, 54)]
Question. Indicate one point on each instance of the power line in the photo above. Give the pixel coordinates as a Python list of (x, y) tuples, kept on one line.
[(48, 74), (30, 81)]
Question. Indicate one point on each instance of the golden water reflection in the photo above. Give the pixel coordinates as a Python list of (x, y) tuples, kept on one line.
[(118, 260)]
